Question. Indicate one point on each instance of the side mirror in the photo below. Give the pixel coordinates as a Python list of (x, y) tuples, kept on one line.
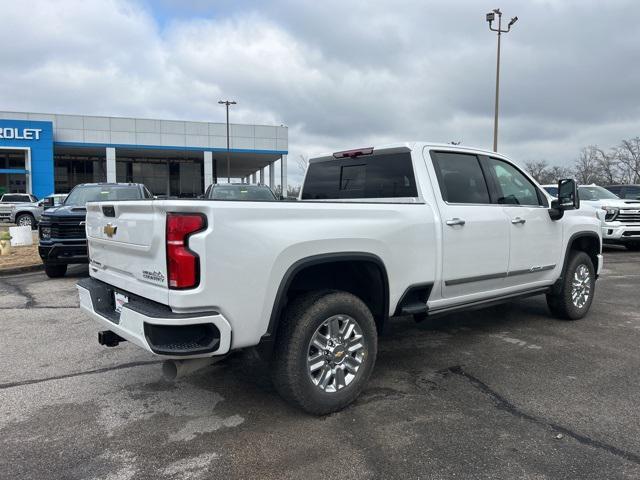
[(568, 199), (47, 202)]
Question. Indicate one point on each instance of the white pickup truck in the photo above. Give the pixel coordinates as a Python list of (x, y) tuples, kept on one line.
[(405, 229)]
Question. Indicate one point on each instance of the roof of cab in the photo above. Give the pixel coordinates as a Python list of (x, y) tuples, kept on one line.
[(407, 147)]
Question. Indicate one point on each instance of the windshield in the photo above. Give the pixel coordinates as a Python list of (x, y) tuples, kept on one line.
[(80, 195), (241, 192), (19, 198), (595, 193)]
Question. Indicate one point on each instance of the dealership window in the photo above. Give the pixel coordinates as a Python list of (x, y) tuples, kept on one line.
[(174, 177), (71, 170), (10, 181)]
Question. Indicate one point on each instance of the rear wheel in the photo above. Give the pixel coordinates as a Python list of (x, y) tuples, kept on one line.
[(55, 271), (26, 220), (325, 351), (578, 286)]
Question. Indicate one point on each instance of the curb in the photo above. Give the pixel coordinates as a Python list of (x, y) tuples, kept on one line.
[(25, 269)]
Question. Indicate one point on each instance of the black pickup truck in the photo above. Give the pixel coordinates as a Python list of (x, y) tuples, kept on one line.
[(63, 240)]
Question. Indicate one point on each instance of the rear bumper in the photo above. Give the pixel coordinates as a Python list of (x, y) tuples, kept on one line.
[(154, 326), (63, 254), (618, 233)]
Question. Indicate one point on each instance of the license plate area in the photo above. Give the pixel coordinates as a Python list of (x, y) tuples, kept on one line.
[(119, 300)]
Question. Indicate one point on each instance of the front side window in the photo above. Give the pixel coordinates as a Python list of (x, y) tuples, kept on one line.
[(460, 178), (513, 187)]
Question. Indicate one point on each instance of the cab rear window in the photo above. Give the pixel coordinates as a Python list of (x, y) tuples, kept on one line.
[(368, 176)]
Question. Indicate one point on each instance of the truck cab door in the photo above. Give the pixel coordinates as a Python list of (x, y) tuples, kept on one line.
[(475, 232), (536, 239)]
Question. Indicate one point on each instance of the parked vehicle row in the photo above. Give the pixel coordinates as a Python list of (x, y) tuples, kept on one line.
[(404, 229), (25, 210), (9, 200), (621, 223), (62, 237)]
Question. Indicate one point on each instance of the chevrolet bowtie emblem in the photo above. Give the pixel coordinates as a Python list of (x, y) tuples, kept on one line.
[(110, 230)]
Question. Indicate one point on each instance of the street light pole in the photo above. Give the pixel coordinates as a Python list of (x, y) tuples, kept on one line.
[(490, 18), (227, 103)]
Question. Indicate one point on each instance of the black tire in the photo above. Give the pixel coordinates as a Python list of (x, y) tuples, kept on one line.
[(28, 220), (55, 271), (562, 304), (633, 246), (304, 317)]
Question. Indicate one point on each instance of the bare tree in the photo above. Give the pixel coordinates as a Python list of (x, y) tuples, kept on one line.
[(586, 169), (538, 170), (628, 154), (556, 173), (608, 165)]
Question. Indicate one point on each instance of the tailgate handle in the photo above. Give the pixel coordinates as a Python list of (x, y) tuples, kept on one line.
[(109, 211)]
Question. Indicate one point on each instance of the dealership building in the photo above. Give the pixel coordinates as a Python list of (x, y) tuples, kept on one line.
[(51, 153)]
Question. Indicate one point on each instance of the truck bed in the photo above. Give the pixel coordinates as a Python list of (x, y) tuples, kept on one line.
[(247, 248)]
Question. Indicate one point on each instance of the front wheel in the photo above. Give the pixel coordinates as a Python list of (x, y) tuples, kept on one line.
[(325, 351), (577, 289), (26, 220), (55, 271)]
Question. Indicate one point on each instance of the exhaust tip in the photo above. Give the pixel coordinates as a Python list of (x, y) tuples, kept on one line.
[(169, 370), (175, 369)]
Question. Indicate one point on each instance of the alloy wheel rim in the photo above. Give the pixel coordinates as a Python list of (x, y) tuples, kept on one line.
[(581, 286), (24, 221), (336, 353)]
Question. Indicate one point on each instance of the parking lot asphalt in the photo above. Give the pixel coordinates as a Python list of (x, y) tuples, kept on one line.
[(506, 392)]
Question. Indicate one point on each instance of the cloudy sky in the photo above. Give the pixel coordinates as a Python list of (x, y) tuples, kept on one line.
[(340, 74)]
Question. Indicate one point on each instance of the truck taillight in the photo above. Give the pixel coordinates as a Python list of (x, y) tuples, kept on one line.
[(183, 265)]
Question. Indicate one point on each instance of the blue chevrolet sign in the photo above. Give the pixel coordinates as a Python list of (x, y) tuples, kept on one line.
[(37, 137)]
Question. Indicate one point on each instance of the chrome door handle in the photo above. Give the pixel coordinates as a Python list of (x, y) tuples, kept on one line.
[(518, 220), (455, 221)]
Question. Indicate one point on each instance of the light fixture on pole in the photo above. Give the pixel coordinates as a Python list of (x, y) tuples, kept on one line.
[(227, 103), (491, 16)]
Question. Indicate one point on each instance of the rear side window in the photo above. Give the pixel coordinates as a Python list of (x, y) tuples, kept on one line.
[(371, 176), (460, 178)]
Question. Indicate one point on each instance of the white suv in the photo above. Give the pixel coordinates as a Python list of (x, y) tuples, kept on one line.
[(621, 223)]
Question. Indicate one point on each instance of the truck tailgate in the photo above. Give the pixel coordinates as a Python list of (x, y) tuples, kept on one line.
[(127, 247)]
